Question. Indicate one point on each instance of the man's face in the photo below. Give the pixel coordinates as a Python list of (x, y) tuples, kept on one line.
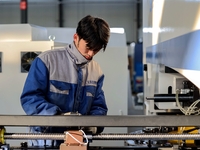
[(81, 45)]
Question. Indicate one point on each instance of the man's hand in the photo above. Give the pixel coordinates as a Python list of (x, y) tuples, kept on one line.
[(71, 113), (92, 130)]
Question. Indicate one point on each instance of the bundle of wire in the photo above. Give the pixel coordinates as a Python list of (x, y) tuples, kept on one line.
[(191, 110)]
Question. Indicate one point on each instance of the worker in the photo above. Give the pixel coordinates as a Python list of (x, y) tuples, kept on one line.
[(68, 80)]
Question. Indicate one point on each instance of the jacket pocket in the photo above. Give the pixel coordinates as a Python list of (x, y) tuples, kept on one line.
[(90, 94), (90, 91), (59, 87)]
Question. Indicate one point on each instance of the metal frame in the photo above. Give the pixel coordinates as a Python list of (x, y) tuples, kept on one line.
[(179, 52), (98, 121)]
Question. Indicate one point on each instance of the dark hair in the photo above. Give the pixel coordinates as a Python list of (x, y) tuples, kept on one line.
[(95, 31)]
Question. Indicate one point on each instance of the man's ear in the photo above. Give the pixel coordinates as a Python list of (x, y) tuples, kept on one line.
[(76, 37)]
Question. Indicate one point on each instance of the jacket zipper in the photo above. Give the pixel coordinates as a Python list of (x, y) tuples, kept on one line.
[(78, 90)]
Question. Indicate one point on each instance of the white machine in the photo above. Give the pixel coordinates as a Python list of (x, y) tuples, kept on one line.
[(176, 75), (19, 45), (170, 54), (171, 58)]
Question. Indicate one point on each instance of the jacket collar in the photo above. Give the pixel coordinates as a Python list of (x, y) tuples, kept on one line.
[(77, 57)]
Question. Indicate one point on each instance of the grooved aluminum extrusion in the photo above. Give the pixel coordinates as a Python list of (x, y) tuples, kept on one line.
[(98, 121)]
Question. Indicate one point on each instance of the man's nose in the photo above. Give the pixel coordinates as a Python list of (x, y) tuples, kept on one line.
[(91, 53)]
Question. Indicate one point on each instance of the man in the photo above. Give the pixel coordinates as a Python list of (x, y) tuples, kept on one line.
[(68, 80)]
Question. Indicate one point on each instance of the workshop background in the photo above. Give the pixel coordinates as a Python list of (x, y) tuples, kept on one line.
[(124, 14), (66, 13), (161, 34)]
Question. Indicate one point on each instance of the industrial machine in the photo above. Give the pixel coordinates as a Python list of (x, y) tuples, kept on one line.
[(171, 66), (171, 57), (177, 76), (176, 87)]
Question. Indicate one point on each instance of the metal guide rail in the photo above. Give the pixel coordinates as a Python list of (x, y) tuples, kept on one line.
[(98, 121)]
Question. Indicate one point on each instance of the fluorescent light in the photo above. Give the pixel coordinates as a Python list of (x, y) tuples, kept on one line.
[(157, 30), (117, 30)]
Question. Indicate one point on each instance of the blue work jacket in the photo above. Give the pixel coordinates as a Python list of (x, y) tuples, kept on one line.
[(61, 81)]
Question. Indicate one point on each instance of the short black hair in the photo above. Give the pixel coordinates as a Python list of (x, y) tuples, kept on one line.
[(95, 31)]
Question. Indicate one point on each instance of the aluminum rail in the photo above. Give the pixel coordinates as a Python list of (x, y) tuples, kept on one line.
[(98, 121), (159, 136)]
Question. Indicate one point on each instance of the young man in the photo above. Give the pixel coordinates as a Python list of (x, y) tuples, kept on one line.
[(68, 80)]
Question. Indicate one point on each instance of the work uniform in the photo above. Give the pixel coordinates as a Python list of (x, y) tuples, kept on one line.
[(61, 81)]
